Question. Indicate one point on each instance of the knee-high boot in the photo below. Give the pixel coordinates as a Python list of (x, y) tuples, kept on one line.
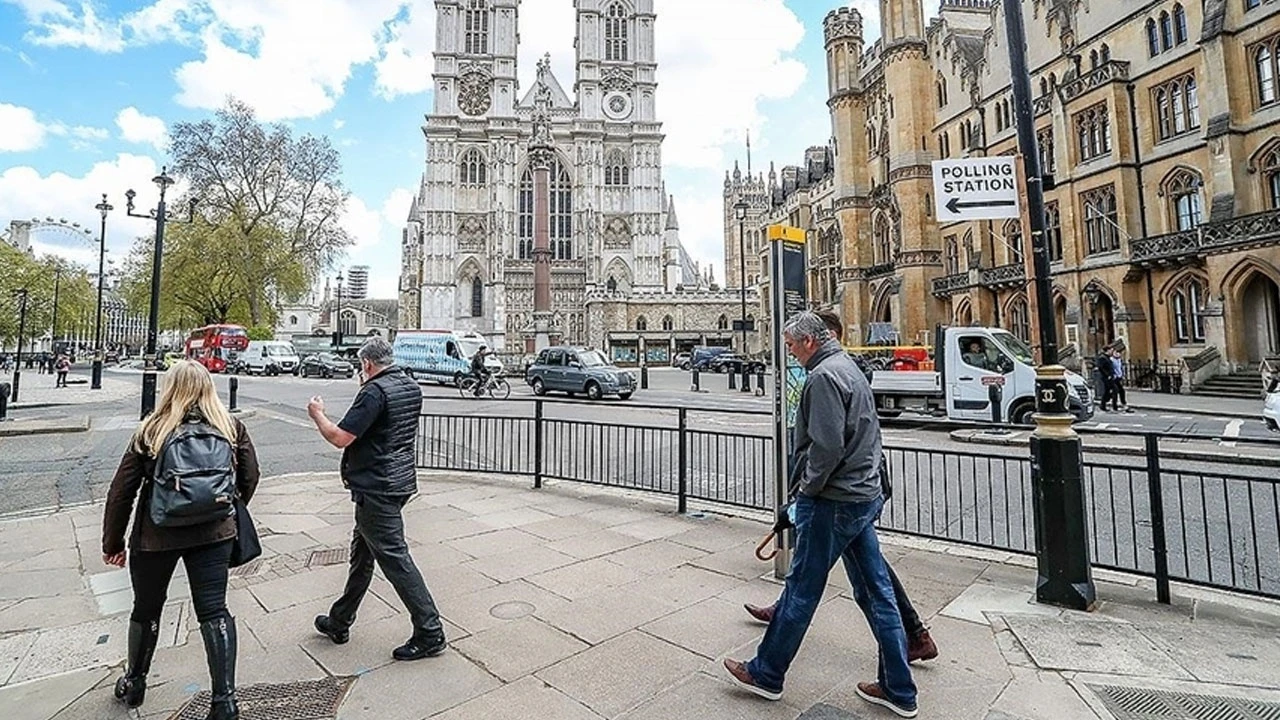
[(143, 636), (219, 637)]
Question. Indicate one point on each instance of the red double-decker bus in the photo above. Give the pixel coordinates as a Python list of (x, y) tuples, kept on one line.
[(216, 346)]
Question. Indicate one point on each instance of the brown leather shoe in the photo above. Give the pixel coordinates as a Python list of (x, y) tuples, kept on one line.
[(741, 677), (921, 647), (872, 693), (762, 614)]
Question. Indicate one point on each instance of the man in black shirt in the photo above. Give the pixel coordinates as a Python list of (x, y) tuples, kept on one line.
[(377, 437)]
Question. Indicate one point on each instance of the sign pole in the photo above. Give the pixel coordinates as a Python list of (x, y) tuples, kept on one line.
[(1064, 575), (789, 296)]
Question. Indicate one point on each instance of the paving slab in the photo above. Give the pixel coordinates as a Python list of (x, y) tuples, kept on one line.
[(36, 613), (44, 699), (706, 697), (500, 604), (519, 648), (1220, 653), (44, 426), (685, 585), (598, 617), (662, 526), (513, 517), (1084, 645), (13, 649), (40, 583), (527, 697), (1041, 695), (308, 585), (594, 544), (711, 628), (656, 556), (289, 627), (977, 601), (516, 564), (559, 528), (488, 541), (61, 557), (619, 674), (738, 561), (585, 578), (418, 689)]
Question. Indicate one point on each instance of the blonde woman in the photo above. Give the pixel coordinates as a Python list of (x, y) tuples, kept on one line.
[(205, 548)]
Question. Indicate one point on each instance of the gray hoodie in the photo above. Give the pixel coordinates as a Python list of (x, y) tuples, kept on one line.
[(837, 430)]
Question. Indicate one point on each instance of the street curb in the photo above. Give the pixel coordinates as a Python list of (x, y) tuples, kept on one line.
[(1190, 411), (1022, 438), (17, 428)]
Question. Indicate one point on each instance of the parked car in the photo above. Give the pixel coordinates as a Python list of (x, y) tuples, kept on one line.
[(681, 360), (327, 365), (702, 356), (732, 362), (111, 356), (578, 370), (1271, 406), (268, 357)]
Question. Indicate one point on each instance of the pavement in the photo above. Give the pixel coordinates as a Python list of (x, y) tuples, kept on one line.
[(581, 603), (1227, 450), (1195, 404), (37, 391)]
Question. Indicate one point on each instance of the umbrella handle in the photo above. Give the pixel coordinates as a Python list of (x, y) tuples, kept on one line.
[(760, 549)]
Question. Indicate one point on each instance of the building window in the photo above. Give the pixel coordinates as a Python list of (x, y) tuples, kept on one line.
[(1177, 107), (641, 324), (942, 91), (722, 323), (1013, 240), (1179, 25), (1264, 69), (1093, 132), (1153, 38), (1053, 230), (1101, 221), (477, 28), (524, 234), (1251, 4), (1186, 304), (616, 33), (667, 323), (883, 241), (1166, 31), (617, 173), (1044, 140), (561, 213), (1020, 318), (1182, 188), (611, 285), (293, 320), (1104, 54), (953, 255), (473, 170), (1271, 176)]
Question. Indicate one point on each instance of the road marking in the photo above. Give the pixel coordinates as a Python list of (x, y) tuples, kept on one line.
[(1232, 431)]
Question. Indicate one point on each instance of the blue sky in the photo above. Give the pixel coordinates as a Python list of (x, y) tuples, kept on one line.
[(89, 87)]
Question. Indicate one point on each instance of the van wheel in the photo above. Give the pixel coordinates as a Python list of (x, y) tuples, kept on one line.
[(1023, 414), (457, 379), (538, 387), (593, 390)]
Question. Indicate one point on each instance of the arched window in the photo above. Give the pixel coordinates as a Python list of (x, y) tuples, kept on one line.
[(1104, 54), (641, 324), (1013, 240), (1093, 132), (953, 256), (1179, 25), (1153, 38), (476, 25), (477, 297), (617, 173), (616, 33), (1270, 167), (472, 169), (1093, 59), (1044, 87), (667, 323), (942, 91), (611, 285), (1186, 304), (347, 322), (1053, 230), (1020, 318), (1265, 73), (883, 235), (722, 323), (561, 197), (1182, 188), (1177, 107), (1166, 31), (293, 320), (1101, 219)]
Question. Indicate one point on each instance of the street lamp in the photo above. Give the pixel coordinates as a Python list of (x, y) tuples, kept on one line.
[(57, 287), (22, 329), (164, 182), (740, 211), (337, 319), (96, 379)]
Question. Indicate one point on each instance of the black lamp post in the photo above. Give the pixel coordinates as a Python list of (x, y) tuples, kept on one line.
[(337, 319), (22, 329), (162, 181), (57, 287), (103, 208), (740, 211)]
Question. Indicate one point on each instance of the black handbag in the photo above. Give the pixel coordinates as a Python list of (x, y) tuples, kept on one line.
[(246, 546)]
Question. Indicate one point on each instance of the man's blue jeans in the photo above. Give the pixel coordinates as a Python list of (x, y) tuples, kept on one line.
[(824, 530)]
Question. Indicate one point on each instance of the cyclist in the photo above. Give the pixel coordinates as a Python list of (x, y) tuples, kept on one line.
[(479, 370)]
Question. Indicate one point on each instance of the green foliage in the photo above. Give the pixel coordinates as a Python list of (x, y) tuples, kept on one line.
[(262, 333), (40, 277)]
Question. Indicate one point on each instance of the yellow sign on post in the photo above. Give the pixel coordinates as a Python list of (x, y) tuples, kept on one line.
[(787, 233)]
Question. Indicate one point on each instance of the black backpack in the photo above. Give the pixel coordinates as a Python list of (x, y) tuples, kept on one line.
[(195, 478)]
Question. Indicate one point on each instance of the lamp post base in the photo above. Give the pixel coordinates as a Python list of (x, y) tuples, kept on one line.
[(148, 392), (95, 375), (17, 380)]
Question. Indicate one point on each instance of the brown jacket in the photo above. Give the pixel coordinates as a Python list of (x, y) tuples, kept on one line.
[(134, 469)]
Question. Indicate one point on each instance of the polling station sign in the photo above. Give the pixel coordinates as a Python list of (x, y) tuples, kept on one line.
[(976, 189)]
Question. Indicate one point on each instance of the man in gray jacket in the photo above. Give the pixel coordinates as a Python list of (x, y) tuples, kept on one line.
[(837, 438)]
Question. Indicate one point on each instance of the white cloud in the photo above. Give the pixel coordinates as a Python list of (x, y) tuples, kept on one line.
[(396, 208), (55, 24), (405, 63), (135, 127), (363, 223), (339, 124), (22, 131)]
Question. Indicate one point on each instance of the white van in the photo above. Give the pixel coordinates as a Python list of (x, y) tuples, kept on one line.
[(269, 357), (440, 355)]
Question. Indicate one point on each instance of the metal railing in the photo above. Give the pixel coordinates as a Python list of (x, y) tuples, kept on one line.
[(1190, 521), (1161, 377)]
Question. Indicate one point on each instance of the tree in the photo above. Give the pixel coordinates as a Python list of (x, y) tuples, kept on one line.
[(40, 278), (199, 281), (278, 200)]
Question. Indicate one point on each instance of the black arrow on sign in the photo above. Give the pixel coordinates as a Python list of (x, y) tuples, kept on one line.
[(955, 206)]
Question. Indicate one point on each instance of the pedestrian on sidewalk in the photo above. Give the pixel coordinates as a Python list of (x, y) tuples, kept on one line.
[(189, 398), (1117, 381), (920, 644), (1105, 369), (377, 438), (839, 498), (63, 367)]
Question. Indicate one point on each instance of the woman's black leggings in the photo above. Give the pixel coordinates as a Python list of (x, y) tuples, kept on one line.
[(207, 567)]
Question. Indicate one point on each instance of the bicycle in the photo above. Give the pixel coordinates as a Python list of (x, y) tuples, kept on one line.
[(495, 387)]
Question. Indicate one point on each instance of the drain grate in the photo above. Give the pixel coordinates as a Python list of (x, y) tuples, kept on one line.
[(308, 700), (330, 556), (1130, 703), (249, 569)]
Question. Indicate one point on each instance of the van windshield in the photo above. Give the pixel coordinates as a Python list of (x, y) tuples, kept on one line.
[(1015, 346), (277, 350)]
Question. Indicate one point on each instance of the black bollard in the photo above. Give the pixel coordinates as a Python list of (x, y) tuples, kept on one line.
[(4, 401), (696, 387), (995, 393), (234, 384), (644, 377), (733, 380), (746, 379), (17, 380)]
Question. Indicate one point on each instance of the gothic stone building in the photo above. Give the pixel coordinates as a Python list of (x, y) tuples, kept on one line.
[(468, 247), (1159, 123)]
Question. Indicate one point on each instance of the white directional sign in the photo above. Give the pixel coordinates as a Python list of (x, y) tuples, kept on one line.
[(975, 189)]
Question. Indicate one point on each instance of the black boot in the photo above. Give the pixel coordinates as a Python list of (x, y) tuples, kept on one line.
[(132, 688), (220, 649)]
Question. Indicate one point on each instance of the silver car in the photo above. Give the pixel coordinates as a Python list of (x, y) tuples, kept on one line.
[(578, 370)]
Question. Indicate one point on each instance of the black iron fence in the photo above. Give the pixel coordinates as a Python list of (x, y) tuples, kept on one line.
[(1161, 377), (1211, 521)]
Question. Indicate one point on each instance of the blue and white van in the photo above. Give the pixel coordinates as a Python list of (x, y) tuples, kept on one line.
[(442, 356)]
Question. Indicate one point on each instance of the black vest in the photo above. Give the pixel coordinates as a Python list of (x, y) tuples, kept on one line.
[(382, 460)]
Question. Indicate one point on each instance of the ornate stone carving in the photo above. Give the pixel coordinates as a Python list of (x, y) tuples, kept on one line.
[(617, 234), (950, 284), (1112, 71), (473, 232), (911, 172), (475, 91), (617, 79), (1012, 275), (1240, 233), (919, 258)]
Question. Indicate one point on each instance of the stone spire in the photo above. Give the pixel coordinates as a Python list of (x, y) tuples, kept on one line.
[(672, 222)]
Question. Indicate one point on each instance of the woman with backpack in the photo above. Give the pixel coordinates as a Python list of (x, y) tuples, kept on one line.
[(184, 465)]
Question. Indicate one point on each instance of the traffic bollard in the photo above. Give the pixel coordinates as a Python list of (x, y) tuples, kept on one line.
[(696, 387), (644, 377), (234, 384), (760, 383), (746, 380), (4, 401), (996, 395), (733, 380)]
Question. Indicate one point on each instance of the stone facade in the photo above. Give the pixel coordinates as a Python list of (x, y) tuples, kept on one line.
[(661, 324), (1158, 125)]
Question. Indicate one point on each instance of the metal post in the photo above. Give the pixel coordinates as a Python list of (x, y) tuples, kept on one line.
[(733, 380), (234, 390), (742, 280), (760, 384), (537, 443), (149, 379), (746, 379), (644, 376), (4, 401), (22, 329), (57, 288), (1159, 543), (995, 394), (696, 387), (683, 488), (1064, 574), (95, 382)]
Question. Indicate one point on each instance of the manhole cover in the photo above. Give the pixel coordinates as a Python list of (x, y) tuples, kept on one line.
[(308, 700), (1130, 703), (249, 569), (331, 556), (511, 610)]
